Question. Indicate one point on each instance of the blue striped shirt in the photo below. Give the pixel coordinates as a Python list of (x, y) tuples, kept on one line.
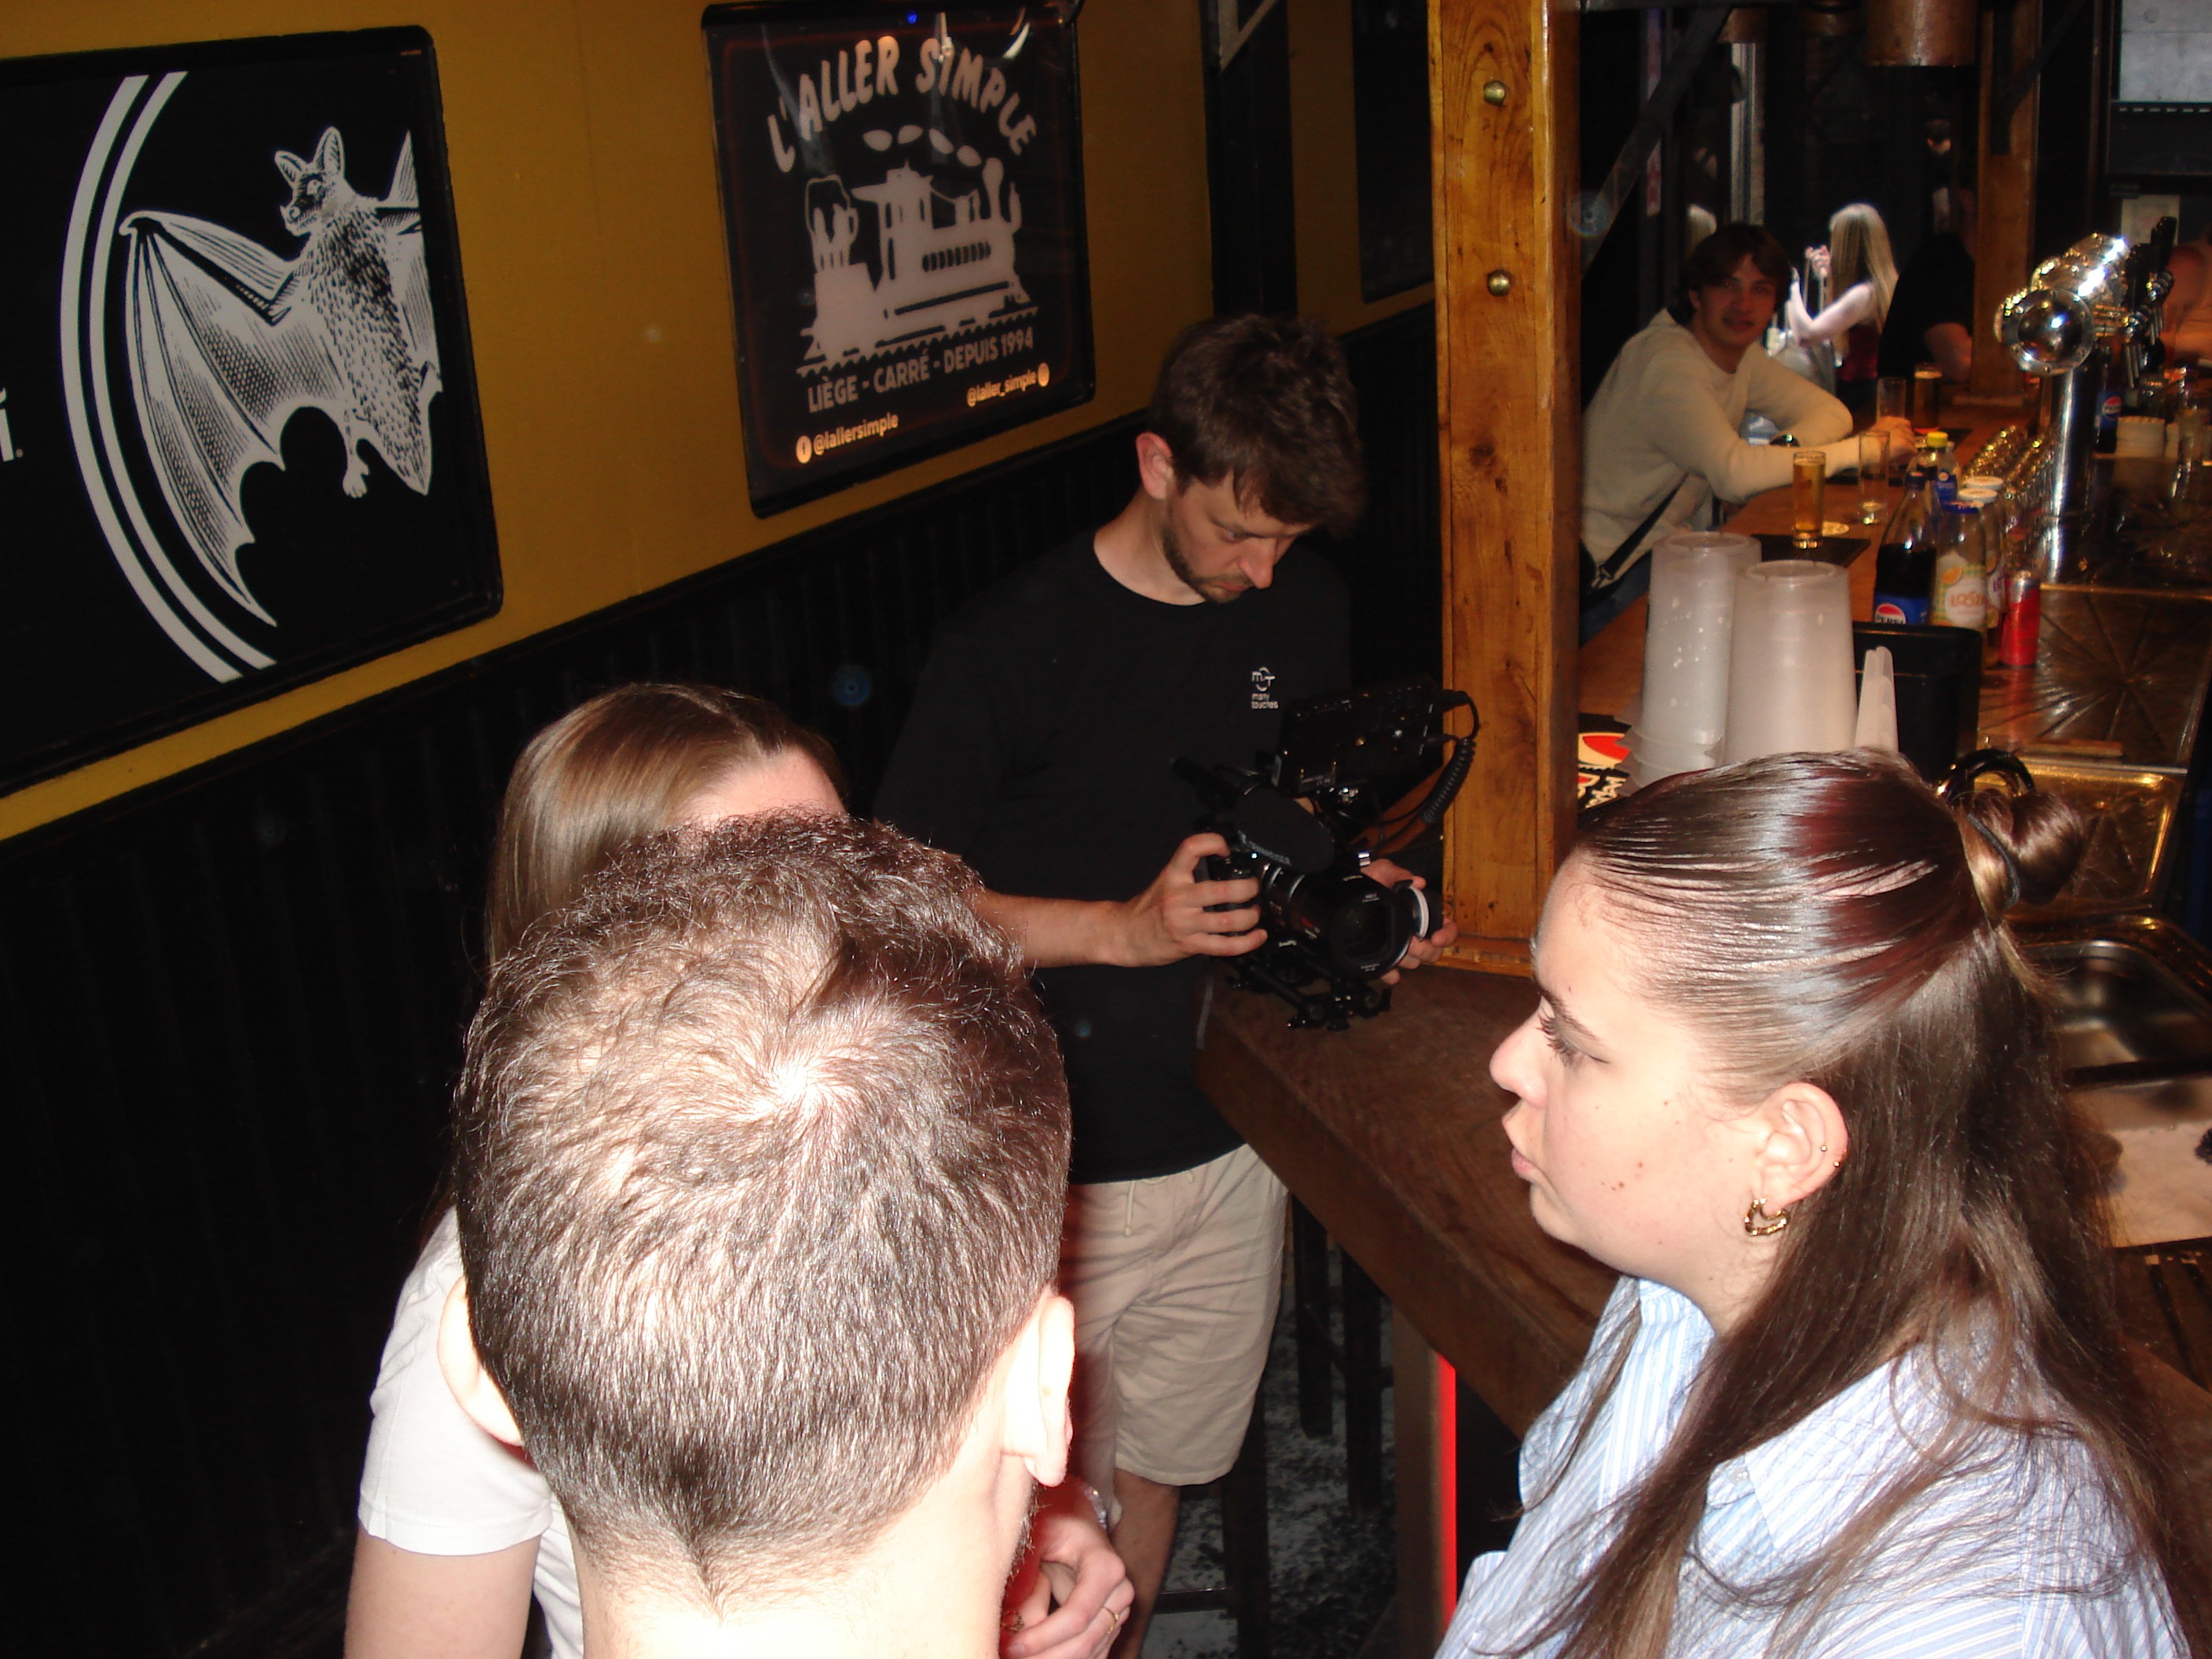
[(2015, 1552)]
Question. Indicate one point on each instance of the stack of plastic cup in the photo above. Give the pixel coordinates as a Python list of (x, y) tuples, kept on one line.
[(1686, 654), (1790, 680)]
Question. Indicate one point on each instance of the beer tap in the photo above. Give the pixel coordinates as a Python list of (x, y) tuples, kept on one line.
[(2088, 318), (2145, 355)]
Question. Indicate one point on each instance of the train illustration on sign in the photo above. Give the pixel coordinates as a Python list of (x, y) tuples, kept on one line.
[(947, 262)]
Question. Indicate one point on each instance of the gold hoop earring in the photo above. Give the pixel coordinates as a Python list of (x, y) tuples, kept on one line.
[(1759, 1224)]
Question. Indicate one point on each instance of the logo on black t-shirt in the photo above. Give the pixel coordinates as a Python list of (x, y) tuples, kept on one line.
[(1262, 679)]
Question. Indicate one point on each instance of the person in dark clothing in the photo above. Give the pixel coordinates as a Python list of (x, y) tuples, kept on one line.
[(1040, 747), (1931, 315)]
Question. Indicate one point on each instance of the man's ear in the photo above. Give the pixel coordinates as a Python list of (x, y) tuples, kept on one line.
[(1801, 1142), (471, 1385), (1155, 468), (1042, 1363)]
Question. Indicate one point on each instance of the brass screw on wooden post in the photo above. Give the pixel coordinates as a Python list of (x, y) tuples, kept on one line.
[(1493, 92), (1500, 282)]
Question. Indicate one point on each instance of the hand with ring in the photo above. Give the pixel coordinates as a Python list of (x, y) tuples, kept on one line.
[(1072, 1594)]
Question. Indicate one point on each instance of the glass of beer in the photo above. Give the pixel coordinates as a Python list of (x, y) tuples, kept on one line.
[(1892, 397), (1927, 382), (1808, 490), (1873, 474)]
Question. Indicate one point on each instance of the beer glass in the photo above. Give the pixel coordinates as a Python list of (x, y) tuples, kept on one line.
[(1808, 488), (1890, 398), (1927, 383), (1873, 474)]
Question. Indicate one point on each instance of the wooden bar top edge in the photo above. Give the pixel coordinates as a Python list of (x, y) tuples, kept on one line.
[(1390, 1133)]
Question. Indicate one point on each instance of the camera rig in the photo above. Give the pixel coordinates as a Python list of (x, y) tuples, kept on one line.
[(1297, 821)]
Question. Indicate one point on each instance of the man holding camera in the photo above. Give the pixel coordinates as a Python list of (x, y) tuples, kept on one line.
[(1040, 747)]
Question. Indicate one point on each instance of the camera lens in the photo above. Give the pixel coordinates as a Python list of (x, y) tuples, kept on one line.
[(1359, 931), (1359, 926)]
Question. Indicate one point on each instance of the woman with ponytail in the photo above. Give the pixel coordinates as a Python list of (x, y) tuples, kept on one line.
[(1861, 1391)]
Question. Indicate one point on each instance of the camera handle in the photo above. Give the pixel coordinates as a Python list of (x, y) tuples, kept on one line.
[(1392, 838)]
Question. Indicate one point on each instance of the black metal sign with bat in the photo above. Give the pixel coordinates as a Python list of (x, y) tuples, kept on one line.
[(240, 445)]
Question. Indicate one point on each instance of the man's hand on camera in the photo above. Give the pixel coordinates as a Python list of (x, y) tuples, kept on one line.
[(1166, 922), (1419, 950), (1171, 919)]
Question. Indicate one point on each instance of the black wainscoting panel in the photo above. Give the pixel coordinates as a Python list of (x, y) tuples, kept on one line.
[(1247, 169), (1391, 562), (230, 1008)]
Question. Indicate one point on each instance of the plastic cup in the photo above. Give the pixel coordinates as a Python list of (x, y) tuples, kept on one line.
[(1791, 667), (1650, 760), (1685, 640)]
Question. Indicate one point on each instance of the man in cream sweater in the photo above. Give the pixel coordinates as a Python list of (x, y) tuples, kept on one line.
[(1663, 437)]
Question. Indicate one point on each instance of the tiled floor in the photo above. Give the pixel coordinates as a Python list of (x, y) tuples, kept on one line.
[(1332, 1572)]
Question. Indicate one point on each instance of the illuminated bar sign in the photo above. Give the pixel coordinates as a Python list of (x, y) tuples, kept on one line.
[(904, 197)]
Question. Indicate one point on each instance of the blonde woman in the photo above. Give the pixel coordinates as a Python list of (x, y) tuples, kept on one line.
[(1862, 273)]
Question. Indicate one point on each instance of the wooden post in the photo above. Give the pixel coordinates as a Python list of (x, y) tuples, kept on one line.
[(2004, 241), (1504, 166)]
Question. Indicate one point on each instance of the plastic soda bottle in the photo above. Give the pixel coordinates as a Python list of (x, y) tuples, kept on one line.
[(1959, 596)]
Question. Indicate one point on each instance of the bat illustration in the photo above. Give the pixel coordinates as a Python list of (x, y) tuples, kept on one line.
[(227, 341)]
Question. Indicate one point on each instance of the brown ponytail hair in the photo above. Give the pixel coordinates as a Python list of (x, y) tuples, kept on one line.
[(615, 769), (1826, 918)]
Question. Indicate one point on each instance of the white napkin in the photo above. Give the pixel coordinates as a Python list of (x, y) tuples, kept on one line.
[(1877, 726), (2164, 1190)]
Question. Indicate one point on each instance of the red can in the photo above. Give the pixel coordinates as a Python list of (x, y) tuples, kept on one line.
[(2021, 630)]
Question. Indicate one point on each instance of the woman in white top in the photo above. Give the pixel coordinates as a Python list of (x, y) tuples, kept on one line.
[(1861, 1391), (457, 1532), (1862, 273)]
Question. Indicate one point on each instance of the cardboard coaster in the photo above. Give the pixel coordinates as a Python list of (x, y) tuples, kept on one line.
[(1836, 548)]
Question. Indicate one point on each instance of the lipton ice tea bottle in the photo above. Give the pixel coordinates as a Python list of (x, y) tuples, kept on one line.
[(1959, 596)]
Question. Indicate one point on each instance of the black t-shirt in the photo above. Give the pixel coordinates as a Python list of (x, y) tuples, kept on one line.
[(1937, 287), (1041, 749)]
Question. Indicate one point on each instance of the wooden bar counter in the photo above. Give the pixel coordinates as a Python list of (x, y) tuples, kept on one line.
[(1389, 1133)]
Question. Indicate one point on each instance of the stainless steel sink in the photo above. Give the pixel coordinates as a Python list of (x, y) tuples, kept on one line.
[(2123, 1014), (2132, 999)]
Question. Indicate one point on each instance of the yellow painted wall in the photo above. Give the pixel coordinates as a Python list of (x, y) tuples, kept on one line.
[(582, 143)]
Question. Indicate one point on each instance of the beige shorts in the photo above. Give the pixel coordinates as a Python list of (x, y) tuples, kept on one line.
[(1175, 1281)]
